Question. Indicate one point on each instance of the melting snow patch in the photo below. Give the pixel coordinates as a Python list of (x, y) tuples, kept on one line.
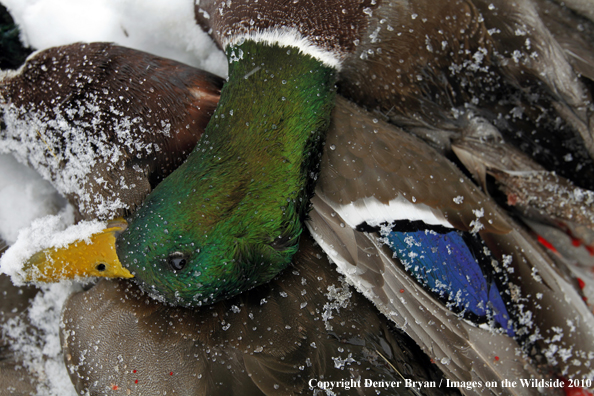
[(25, 196), (163, 27)]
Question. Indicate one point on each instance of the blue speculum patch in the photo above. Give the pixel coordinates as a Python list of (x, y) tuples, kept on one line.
[(444, 264)]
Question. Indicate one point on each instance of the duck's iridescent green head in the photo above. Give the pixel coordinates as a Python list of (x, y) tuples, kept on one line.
[(230, 217), (184, 267), (188, 254)]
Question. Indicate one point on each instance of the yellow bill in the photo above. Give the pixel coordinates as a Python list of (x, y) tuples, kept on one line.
[(79, 259)]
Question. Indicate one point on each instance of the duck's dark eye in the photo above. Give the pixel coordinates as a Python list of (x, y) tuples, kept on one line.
[(100, 267), (177, 261)]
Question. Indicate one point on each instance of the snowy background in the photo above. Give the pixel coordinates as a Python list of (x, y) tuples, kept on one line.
[(163, 27)]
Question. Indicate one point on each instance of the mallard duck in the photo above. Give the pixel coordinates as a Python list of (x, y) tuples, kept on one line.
[(480, 323), (450, 67), (248, 181), (254, 227), (320, 327)]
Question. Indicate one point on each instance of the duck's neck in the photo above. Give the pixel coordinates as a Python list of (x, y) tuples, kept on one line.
[(271, 121)]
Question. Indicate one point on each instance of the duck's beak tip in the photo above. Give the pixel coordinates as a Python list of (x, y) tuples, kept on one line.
[(93, 257)]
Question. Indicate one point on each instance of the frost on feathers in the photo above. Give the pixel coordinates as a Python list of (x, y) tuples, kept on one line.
[(338, 297), (33, 136), (35, 340)]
